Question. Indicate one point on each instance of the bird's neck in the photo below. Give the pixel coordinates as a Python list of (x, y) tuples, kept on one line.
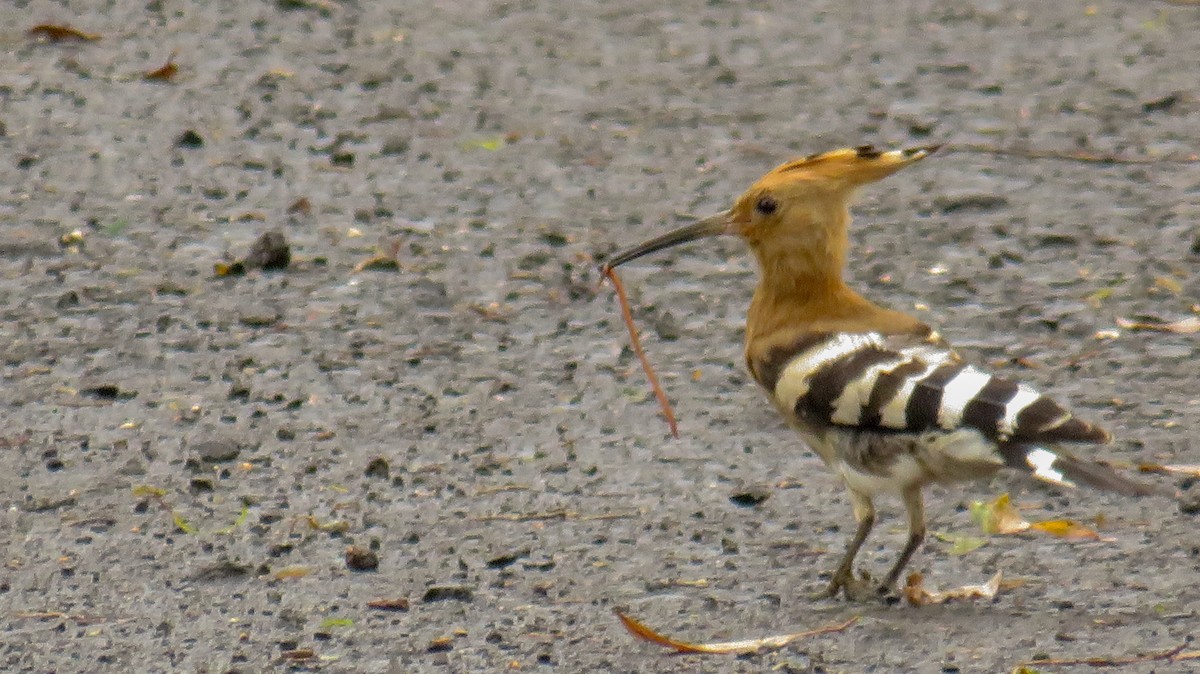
[(799, 298), (801, 290)]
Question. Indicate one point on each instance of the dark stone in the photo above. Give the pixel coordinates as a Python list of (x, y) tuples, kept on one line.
[(361, 559), (216, 451), (190, 140), (448, 593)]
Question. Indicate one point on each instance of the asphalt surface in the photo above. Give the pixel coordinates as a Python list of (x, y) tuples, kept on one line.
[(185, 458)]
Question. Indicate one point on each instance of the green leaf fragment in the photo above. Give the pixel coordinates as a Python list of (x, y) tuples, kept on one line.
[(236, 523), (148, 490), (489, 144), (960, 545), (182, 524)]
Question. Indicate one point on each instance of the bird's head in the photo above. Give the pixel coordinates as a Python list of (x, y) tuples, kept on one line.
[(799, 208)]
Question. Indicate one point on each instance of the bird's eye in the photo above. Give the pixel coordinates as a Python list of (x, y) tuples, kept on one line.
[(766, 205)]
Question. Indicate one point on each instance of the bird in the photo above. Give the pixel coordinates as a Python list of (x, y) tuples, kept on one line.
[(884, 401)]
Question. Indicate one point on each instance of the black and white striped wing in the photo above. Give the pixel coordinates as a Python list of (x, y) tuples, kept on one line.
[(894, 383), (914, 384)]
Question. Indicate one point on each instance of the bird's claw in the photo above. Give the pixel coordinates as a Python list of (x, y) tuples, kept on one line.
[(859, 589)]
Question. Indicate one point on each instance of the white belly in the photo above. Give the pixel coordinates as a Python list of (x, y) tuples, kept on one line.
[(888, 463), (904, 473)]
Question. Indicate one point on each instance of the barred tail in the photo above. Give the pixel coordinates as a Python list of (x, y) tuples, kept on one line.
[(1063, 469)]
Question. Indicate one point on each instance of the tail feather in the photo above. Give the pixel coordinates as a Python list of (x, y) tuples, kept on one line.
[(1066, 470)]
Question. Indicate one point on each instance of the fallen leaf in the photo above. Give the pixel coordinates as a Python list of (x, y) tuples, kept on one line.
[(149, 490), (959, 545), (1192, 470), (627, 316), (163, 73), (917, 595), (182, 524), (398, 604), (381, 262), (289, 572), (241, 519), (301, 206), (1095, 299), (229, 268), (741, 647), (440, 645), (1029, 363), (1169, 284), (386, 258), (489, 144), (999, 516), (72, 238), (336, 526), (493, 311), (56, 33), (1184, 326), (1069, 529), (1013, 583)]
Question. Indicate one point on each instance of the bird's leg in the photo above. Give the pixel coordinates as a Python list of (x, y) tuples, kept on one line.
[(914, 503), (843, 578)]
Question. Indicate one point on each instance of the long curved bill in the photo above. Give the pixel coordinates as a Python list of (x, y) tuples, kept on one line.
[(715, 225)]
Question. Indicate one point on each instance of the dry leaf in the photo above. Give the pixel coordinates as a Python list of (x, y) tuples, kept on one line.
[(397, 604), (1192, 470), (1184, 326), (386, 258), (627, 316), (1069, 529), (288, 572), (1169, 284), (336, 526), (379, 262), (999, 516), (55, 33), (1095, 299), (741, 647), (301, 206), (229, 268), (163, 73), (917, 595)]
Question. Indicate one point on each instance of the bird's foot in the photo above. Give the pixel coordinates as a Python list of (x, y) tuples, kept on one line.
[(888, 593), (856, 589), (859, 589)]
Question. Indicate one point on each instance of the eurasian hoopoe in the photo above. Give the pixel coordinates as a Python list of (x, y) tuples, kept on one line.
[(876, 393)]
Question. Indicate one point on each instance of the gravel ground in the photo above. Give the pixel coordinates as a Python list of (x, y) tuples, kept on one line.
[(185, 458)]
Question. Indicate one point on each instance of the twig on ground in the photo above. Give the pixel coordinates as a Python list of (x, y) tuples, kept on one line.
[(562, 514), (1069, 155), (1174, 655)]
